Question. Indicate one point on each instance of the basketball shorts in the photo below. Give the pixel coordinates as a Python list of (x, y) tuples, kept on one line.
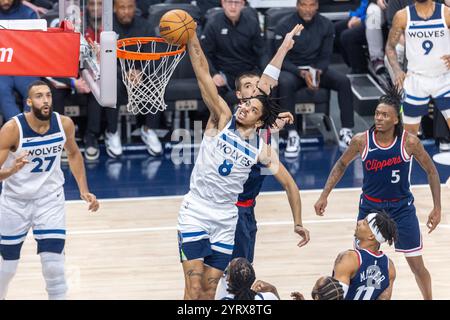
[(46, 217), (245, 236), (403, 212), (419, 90), (206, 231)]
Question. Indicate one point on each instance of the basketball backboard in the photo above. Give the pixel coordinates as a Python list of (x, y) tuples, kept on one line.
[(98, 57)]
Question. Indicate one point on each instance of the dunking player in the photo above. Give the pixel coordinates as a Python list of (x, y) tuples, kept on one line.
[(31, 144), (427, 40), (387, 152), (366, 273), (246, 227), (208, 214)]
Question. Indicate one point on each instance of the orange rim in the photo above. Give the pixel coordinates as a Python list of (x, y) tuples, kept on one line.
[(130, 55)]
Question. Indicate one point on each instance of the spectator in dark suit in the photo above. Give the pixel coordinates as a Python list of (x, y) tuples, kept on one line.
[(233, 44), (312, 51)]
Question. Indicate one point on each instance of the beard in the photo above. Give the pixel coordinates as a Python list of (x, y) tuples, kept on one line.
[(39, 115), (421, 1)]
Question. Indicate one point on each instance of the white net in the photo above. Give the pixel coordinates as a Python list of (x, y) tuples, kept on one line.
[(146, 80)]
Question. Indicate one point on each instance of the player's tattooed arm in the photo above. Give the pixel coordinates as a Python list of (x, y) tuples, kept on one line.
[(387, 293), (415, 148), (345, 266), (396, 31), (216, 105)]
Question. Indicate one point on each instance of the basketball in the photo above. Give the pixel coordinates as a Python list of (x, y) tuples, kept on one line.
[(177, 27)]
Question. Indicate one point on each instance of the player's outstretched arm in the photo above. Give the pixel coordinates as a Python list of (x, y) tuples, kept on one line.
[(387, 293), (396, 31), (270, 159), (356, 145), (217, 106), (269, 79), (415, 148), (9, 136), (76, 164)]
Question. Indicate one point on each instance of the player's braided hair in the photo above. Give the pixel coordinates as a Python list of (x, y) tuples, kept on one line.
[(393, 97), (241, 278), (329, 289), (270, 109), (386, 226)]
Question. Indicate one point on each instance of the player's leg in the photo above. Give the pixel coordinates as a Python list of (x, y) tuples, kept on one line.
[(193, 274), (14, 225), (211, 278), (410, 242), (415, 104), (442, 96), (222, 246), (422, 275), (193, 244), (49, 231)]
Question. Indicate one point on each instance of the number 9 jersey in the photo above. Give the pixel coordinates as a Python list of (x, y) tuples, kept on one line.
[(426, 42), (43, 175)]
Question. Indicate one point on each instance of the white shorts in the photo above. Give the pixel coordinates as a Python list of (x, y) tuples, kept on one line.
[(206, 231), (46, 216), (419, 90)]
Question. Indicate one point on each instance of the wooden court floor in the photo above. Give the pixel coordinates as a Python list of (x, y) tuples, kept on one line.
[(129, 249)]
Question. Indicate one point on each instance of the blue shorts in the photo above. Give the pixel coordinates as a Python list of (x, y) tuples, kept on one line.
[(403, 212), (245, 236)]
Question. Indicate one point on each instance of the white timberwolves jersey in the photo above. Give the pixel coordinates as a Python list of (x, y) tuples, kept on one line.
[(427, 41), (43, 175), (223, 165)]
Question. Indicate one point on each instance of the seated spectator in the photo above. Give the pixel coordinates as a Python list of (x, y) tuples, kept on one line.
[(233, 44), (325, 288), (375, 19), (242, 286), (350, 37), (312, 51), (12, 10)]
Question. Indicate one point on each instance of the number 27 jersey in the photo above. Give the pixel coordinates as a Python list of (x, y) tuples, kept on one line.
[(43, 175)]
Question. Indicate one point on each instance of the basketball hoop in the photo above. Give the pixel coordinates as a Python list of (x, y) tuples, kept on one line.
[(146, 69)]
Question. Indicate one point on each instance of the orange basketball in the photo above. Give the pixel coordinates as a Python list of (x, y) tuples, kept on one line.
[(177, 27)]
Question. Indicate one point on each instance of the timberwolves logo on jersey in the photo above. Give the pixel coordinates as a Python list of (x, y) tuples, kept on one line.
[(43, 174), (427, 41), (235, 150)]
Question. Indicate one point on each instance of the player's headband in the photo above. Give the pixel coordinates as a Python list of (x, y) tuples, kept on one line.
[(376, 232)]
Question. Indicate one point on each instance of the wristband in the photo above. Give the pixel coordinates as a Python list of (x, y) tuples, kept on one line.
[(272, 72)]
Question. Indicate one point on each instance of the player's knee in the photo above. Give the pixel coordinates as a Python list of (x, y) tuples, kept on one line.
[(195, 291), (209, 293), (53, 271), (8, 269)]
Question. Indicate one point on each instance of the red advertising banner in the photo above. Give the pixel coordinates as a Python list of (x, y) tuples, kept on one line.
[(52, 53)]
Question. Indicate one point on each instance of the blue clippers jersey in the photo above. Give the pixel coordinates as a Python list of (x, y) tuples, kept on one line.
[(386, 169), (372, 277), (253, 185)]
